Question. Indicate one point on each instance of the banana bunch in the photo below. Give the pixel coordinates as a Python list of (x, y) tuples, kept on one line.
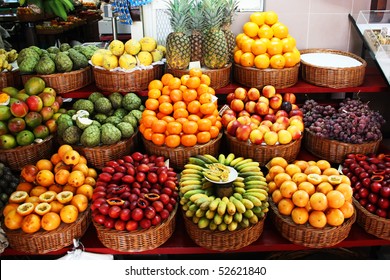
[(59, 8), (6, 58), (246, 206)]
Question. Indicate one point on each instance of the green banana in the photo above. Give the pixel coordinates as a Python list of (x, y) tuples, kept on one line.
[(200, 200), (247, 203), (197, 161), (236, 161), (221, 158), (195, 219), (209, 214), (212, 226), (205, 205), (239, 190), (60, 9), (218, 219), (193, 166), (254, 178), (237, 217), (68, 5), (211, 158), (257, 210), (185, 189), (193, 207), (233, 226), (184, 200), (251, 173), (254, 219), (222, 227), (227, 219), (200, 213), (189, 213), (192, 192), (221, 208), (229, 158), (244, 222), (239, 184), (255, 200), (239, 165), (248, 214), (251, 169), (206, 160), (196, 196), (237, 196), (244, 164), (230, 208), (214, 204), (240, 207)]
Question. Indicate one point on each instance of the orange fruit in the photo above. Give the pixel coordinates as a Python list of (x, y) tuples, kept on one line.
[(205, 98), (151, 104), (285, 206), (203, 88), (237, 56), (166, 78), (8, 207), (174, 127), (147, 134), (188, 140), (45, 178), (190, 127), (280, 30), (158, 139), (80, 201), (288, 188), (174, 83), (168, 119), (347, 209), (81, 167), (247, 59), (289, 59), (179, 113), (258, 47), (335, 199), (258, 18), (147, 121), (274, 47), (250, 28), (69, 214), (280, 178), (24, 186), (277, 61), (265, 31), (76, 178), (56, 206), (330, 171), (86, 190), (71, 157), (276, 196), (195, 72), (50, 221), (214, 132), (83, 159), (155, 84), (271, 186), (44, 164), (302, 164), (31, 223), (69, 188), (55, 188), (63, 149), (166, 108), (270, 18), (184, 78), (318, 201), (300, 198), (346, 190), (205, 79), (313, 169), (193, 107), (288, 45), (292, 169), (313, 178), (278, 161), (176, 95), (203, 137), (165, 98), (299, 177), (190, 95), (204, 124), (207, 108), (37, 191), (246, 45), (159, 126), (61, 165), (13, 220), (147, 112), (172, 141), (307, 187), (179, 105), (193, 82), (92, 172), (324, 187), (154, 93), (261, 61), (55, 158), (334, 217), (300, 215), (323, 164), (317, 219)]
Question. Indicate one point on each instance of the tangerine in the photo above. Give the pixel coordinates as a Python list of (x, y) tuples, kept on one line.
[(300, 215), (276, 196), (166, 78), (193, 107), (69, 214), (50, 221), (247, 59), (155, 84), (154, 93), (174, 127), (159, 126), (45, 178), (318, 201), (203, 137), (307, 187), (188, 140), (335, 199), (86, 190), (165, 108), (172, 141), (76, 178), (63, 149), (31, 223), (347, 209), (334, 217), (317, 219), (285, 206), (44, 164), (151, 104), (300, 198), (324, 187), (261, 61), (24, 186), (80, 201), (190, 127), (174, 83), (158, 139), (250, 28), (55, 158), (277, 61), (288, 188), (195, 72), (204, 124), (346, 190)]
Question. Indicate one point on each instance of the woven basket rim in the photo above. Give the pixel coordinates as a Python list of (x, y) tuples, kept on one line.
[(98, 69), (286, 69), (73, 72), (349, 54), (369, 214), (27, 147)]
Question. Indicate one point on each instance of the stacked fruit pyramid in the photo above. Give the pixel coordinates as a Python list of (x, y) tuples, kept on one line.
[(310, 195), (265, 43), (52, 198), (223, 193)]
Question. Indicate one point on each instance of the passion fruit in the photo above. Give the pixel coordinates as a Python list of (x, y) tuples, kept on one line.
[(48, 196), (64, 196), (18, 197), (25, 208), (335, 179), (42, 208)]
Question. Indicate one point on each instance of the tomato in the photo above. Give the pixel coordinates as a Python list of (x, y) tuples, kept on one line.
[(137, 214), (109, 222), (128, 179), (111, 163), (170, 184), (158, 205), (152, 178), (156, 220), (140, 177), (137, 156), (162, 177), (120, 225), (100, 219), (125, 214), (108, 169), (105, 177), (145, 223), (114, 211), (131, 225), (128, 159), (117, 176)]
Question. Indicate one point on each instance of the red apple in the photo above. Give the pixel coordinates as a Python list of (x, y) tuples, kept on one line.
[(261, 108), (290, 97), (296, 112), (256, 136), (232, 127), (47, 113), (283, 120), (237, 105), (227, 118), (277, 127), (275, 102), (243, 132), (264, 99), (268, 91), (47, 98), (19, 109), (34, 103), (281, 113), (229, 97), (263, 128), (51, 125), (244, 113), (240, 93), (250, 106), (256, 119), (253, 94), (295, 132), (270, 117), (244, 119)]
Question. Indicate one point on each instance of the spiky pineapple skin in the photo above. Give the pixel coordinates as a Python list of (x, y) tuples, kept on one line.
[(196, 46), (230, 41), (178, 54), (215, 49)]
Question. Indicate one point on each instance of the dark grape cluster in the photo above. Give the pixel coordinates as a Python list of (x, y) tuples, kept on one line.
[(8, 183), (352, 122)]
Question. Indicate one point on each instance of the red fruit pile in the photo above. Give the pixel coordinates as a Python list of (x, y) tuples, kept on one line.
[(370, 180), (135, 192)]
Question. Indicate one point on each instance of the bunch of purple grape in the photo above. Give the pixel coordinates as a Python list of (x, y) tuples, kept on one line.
[(353, 122)]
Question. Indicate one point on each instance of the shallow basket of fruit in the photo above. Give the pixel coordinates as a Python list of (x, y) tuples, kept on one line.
[(263, 153), (219, 77), (65, 82), (332, 68), (178, 156), (121, 81), (20, 156), (135, 203), (258, 78), (223, 200)]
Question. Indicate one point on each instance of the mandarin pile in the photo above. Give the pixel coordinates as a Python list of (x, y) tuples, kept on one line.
[(51, 192), (265, 43), (181, 111), (310, 192)]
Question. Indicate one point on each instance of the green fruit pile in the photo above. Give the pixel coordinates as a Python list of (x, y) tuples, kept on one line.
[(238, 204), (8, 183), (100, 119)]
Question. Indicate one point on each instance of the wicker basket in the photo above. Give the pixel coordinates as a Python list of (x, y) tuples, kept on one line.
[(20, 156), (258, 78), (333, 77), (333, 150), (98, 156), (66, 82), (219, 77), (137, 241), (263, 154), (43, 241), (135, 81), (223, 240), (307, 235), (373, 224), (10, 79), (178, 157)]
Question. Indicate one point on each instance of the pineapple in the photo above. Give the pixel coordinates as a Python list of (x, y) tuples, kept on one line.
[(178, 42), (197, 25), (230, 9), (214, 48)]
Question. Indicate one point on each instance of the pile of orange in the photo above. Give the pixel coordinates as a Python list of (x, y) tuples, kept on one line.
[(181, 111), (310, 192), (52, 191), (265, 43)]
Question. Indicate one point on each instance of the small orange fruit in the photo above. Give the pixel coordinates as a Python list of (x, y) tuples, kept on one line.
[(90, 181), (323, 164), (63, 149), (44, 164), (13, 220), (278, 161), (276, 196), (69, 214), (80, 201), (18, 197), (37, 191), (300, 198), (302, 164), (24, 186), (299, 177), (334, 217), (285, 206), (64, 196), (76, 178), (313, 169), (42, 208), (25, 208), (347, 209), (335, 199), (317, 219), (300, 215), (318, 201), (9, 207), (288, 188), (61, 177), (346, 190), (324, 187), (307, 187), (71, 157), (45, 178), (81, 167), (292, 169), (274, 170), (56, 206), (31, 223), (280, 178), (50, 221), (313, 178)]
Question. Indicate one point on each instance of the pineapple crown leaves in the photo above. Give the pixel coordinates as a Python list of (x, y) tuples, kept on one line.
[(230, 10), (196, 16), (178, 12), (213, 13)]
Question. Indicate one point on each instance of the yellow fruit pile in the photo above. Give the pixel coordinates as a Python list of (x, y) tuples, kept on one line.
[(129, 54), (52, 191), (310, 192), (180, 111), (265, 43)]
